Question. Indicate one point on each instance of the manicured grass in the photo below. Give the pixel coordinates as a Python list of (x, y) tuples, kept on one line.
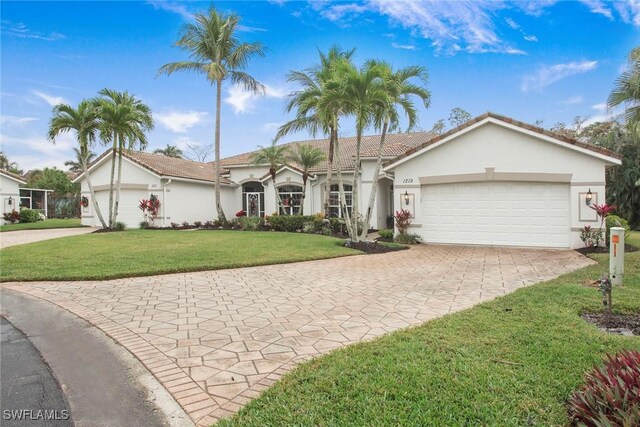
[(513, 361), (148, 252), (42, 225)]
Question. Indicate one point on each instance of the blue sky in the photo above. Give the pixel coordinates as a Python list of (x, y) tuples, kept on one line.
[(548, 60)]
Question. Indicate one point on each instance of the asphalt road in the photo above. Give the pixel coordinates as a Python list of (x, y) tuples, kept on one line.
[(30, 394)]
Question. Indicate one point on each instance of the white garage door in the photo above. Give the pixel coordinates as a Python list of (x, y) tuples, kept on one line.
[(128, 210), (497, 213)]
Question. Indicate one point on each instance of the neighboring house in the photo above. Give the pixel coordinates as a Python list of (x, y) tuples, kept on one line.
[(9, 192), (491, 181)]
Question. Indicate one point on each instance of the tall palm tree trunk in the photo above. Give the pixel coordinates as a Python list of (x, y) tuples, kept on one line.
[(113, 174), (279, 206), (327, 185), (355, 192), (305, 177), (219, 209), (374, 185), (118, 184), (343, 200), (92, 193)]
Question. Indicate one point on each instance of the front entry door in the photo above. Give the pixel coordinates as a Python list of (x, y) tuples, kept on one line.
[(253, 204)]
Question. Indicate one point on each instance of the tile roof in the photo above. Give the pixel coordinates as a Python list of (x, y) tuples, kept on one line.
[(170, 166), (395, 144), (509, 120), (12, 175)]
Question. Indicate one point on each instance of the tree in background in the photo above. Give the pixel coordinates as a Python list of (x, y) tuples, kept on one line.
[(53, 179), (458, 116), (275, 156), (199, 153), (217, 53), (75, 165), (170, 151), (8, 165), (306, 156)]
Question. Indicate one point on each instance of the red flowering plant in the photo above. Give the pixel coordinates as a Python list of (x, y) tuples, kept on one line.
[(603, 211), (240, 213), (84, 202), (403, 220), (150, 208)]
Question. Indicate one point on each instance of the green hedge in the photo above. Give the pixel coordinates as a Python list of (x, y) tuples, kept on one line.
[(289, 222), (29, 215)]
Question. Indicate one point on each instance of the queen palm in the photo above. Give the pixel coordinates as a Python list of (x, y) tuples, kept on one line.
[(627, 92), (76, 165), (218, 54), (275, 156), (317, 109), (170, 151), (396, 88), (83, 121), (306, 156), (124, 119)]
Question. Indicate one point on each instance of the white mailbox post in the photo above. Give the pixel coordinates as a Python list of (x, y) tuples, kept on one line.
[(616, 255)]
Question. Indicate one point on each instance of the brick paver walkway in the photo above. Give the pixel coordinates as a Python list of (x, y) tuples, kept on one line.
[(217, 339)]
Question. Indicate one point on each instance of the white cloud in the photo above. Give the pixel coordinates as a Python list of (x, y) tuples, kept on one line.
[(341, 11), (530, 38), (50, 99), (451, 26), (243, 101), (628, 11), (600, 107), (597, 6), (15, 121), (171, 6), (510, 22), (270, 127), (547, 75), (20, 30), (574, 100), (403, 46), (180, 121), (43, 153)]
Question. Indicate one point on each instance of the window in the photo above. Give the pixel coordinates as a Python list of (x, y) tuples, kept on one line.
[(290, 197), (334, 200)]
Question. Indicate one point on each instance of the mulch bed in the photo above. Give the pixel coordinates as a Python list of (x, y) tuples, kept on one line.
[(617, 324), (373, 247), (603, 250)]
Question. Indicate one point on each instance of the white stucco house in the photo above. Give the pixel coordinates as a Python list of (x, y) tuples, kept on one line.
[(9, 192), (490, 181)]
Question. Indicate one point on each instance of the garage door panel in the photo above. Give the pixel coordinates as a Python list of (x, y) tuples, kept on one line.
[(496, 213)]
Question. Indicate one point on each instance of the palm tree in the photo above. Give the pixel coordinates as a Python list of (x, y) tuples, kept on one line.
[(217, 53), (124, 119), (170, 151), (275, 156), (314, 109), (627, 92), (306, 156), (8, 165), (84, 122), (75, 166), (396, 89)]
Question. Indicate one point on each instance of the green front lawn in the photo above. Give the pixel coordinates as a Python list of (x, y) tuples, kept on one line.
[(149, 252), (42, 225), (513, 361)]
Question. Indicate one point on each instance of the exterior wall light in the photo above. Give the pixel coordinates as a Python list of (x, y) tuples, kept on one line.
[(588, 197), (10, 200), (406, 197)]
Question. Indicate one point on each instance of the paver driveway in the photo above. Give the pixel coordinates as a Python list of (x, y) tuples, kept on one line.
[(12, 238), (216, 339)]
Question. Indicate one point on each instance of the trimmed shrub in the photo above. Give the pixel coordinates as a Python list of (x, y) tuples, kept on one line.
[(407, 239), (616, 221), (120, 226), (386, 234), (144, 224), (611, 395), (309, 227), (209, 225), (289, 222), (29, 215), (250, 223), (197, 224), (185, 224)]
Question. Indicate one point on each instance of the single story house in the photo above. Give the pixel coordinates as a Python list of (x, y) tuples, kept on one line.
[(490, 181), (9, 192)]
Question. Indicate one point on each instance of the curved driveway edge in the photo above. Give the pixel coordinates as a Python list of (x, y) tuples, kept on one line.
[(216, 339), (21, 237)]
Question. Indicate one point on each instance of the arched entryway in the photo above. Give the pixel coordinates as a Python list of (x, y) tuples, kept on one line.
[(253, 198)]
